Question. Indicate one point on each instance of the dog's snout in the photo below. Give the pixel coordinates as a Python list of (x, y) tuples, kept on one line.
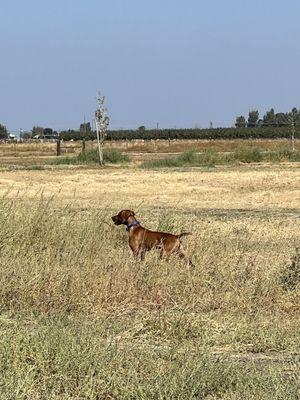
[(116, 220)]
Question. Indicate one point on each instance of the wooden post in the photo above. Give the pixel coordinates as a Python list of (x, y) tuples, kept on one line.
[(83, 146)]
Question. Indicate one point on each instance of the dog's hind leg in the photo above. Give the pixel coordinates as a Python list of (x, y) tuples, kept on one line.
[(182, 255), (164, 255)]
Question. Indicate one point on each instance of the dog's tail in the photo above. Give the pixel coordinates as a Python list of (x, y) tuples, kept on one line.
[(184, 234)]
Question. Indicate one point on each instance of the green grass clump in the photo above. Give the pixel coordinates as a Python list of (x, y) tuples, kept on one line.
[(282, 155), (211, 158), (91, 156), (247, 155), (187, 158)]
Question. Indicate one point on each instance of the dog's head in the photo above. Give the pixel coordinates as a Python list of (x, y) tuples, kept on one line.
[(122, 217)]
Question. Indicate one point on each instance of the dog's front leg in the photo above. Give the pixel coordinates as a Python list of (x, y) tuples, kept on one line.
[(139, 254)]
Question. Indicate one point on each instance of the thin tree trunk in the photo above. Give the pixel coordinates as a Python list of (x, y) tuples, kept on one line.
[(100, 146), (293, 136)]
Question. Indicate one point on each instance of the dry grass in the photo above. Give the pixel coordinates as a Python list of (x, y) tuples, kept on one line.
[(81, 320), (38, 153), (261, 188), (177, 146)]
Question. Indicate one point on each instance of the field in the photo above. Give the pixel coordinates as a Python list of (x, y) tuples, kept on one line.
[(80, 320), (39, 153)]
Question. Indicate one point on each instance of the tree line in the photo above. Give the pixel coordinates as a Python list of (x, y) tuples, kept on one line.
[(270, 119), (188, 134), (252, 127)]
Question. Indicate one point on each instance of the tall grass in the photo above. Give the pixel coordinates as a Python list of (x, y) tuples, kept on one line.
[(65, 360), (55, 260), (79, 319)]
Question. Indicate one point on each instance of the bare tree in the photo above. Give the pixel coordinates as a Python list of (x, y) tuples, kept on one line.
[(102, 121)]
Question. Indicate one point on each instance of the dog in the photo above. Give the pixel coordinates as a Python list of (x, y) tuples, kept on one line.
[(142, 240)]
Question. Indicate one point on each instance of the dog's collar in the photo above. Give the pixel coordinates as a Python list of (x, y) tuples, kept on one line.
[(134, 223)]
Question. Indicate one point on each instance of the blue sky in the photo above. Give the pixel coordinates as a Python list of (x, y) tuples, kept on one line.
[(176, 63)]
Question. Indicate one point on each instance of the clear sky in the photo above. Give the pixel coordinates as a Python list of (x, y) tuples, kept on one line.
[(178, 63)]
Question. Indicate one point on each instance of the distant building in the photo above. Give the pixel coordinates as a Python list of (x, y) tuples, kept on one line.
[(85, 127)]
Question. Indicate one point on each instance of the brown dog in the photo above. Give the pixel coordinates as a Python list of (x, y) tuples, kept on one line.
[(142, 240)]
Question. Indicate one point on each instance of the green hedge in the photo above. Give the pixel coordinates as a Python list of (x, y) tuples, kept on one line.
[(185, 134)]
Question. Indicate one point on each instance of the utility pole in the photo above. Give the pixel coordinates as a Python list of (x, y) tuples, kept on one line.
[(102, 121)]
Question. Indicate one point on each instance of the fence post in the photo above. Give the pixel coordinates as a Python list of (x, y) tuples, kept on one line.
[(83, 146)]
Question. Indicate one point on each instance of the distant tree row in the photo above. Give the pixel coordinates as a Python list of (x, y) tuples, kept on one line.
[(188, 134), (269, 119), (252, 127), (3, 132)]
